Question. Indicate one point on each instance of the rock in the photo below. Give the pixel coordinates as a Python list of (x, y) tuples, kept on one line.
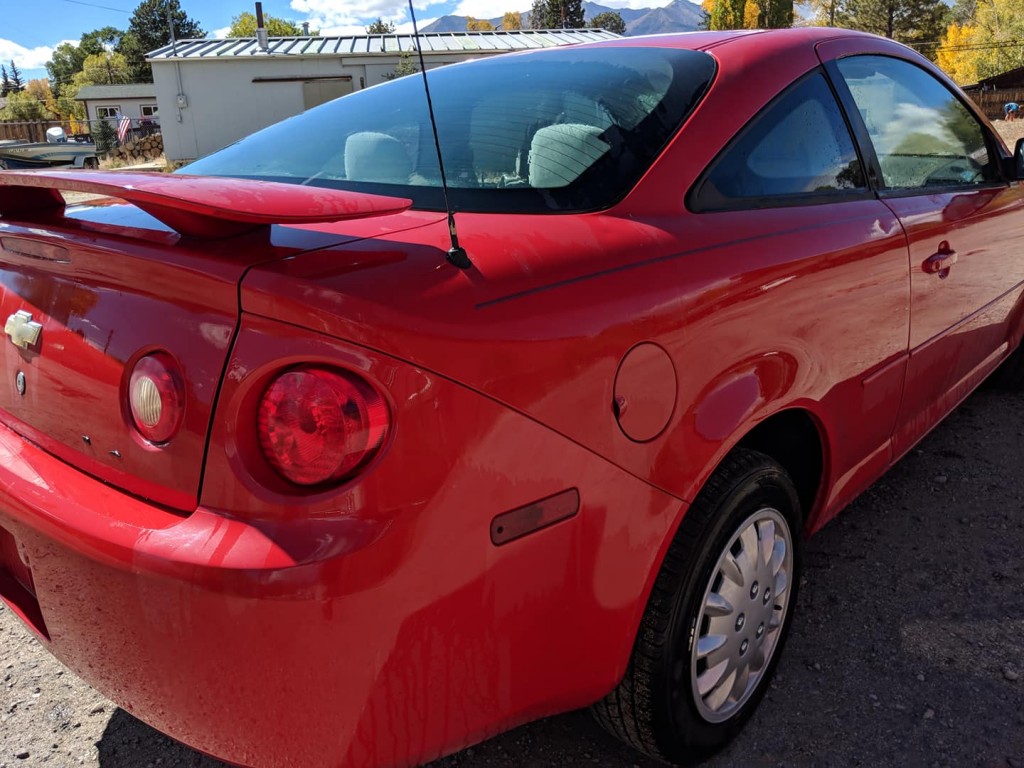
[(941, 478), (1011, 674), (929, 713), (22, 755)]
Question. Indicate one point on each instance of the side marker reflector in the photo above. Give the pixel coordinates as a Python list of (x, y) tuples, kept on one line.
[(509, 526)]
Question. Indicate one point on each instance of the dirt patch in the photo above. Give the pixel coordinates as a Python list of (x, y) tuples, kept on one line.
[(1010, 130)]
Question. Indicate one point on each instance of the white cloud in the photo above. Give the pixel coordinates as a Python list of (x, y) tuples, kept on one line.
[(221, 33), (28, 58), (404, 28), (483, 9), (344, 29), (634, 4), (333, 18)]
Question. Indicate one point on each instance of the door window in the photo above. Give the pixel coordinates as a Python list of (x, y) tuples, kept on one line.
[(922, 134)]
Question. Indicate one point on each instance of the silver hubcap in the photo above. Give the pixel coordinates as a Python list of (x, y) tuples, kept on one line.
[(743, 609)]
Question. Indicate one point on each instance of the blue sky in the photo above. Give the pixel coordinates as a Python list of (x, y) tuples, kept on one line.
[(30, 30)]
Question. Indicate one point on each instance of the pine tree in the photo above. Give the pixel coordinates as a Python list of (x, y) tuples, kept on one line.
[(5, 82), (17, 84), (609, 20), (564, 14), (538, 14), (406, 66), (908, 21), (149, 30), (104, 135)]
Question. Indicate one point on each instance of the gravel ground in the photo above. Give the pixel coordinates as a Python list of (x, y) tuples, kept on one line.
[(1010, 131), (907, 647)]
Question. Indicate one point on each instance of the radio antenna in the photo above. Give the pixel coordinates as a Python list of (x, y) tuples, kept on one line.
[(456, 254)]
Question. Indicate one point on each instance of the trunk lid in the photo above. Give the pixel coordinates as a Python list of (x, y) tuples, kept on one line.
[(85, 293)]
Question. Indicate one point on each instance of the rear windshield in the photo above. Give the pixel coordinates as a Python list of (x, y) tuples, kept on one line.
[(556, 130)]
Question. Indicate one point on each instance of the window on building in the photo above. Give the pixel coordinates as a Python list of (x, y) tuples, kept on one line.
[(149, 110), (113, 111)]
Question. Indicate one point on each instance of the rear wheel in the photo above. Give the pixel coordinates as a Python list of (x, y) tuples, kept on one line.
[(717, 618)]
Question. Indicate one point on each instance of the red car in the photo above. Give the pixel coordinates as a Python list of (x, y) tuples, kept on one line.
[(296, 477)]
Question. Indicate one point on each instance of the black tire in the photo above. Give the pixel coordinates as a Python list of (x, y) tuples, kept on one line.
[(656, 708)]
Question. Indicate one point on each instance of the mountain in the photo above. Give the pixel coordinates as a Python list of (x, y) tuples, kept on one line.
[(678, 16), (590, 10), (450, 24)]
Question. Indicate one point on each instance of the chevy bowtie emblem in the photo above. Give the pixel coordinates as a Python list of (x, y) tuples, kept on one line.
[(23, 332)]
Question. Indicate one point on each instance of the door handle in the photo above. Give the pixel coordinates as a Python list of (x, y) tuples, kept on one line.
[(940, 262)]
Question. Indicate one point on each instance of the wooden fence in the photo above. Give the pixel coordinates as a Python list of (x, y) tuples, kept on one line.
[(991, 102), (35, 130)]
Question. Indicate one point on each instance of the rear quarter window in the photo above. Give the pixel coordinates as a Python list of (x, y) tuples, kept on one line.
[(797, 151)]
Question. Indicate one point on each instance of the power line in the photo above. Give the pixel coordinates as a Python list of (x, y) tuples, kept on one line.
[(94, 5), (981, 47), (938, 46)]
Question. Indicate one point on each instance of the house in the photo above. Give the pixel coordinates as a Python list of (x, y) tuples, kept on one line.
[(137, 101), (991, 93), (214, 92), (1011, 79)]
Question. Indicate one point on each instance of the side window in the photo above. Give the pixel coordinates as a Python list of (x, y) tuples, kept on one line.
[(922, 134), (796, 152)]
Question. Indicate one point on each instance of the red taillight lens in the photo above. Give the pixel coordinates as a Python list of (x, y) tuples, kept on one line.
[(318, 425), (156, 397)]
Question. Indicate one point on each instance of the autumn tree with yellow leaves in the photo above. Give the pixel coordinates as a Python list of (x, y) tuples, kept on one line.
[(984, 43), (748, 14)]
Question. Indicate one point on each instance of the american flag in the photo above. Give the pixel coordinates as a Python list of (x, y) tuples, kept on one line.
[(124, 124)]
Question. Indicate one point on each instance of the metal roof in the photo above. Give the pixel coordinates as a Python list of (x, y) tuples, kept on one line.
[(369, 45), (133, 91)]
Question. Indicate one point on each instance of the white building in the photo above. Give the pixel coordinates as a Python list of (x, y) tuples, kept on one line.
[(137, 101), (213, 92)]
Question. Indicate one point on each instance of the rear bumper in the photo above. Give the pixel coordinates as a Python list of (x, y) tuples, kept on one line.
[(202, 626), (361, 639)]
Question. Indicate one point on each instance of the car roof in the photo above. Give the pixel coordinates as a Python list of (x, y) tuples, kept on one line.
[(740, 38)]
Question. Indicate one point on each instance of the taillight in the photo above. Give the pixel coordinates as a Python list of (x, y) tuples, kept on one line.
[(156, 397), (318, 425)]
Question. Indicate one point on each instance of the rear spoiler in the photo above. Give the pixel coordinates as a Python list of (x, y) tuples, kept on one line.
[(196, 206)]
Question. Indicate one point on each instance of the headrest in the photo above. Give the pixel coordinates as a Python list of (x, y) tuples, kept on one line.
[(560, 153), (377, 157)]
